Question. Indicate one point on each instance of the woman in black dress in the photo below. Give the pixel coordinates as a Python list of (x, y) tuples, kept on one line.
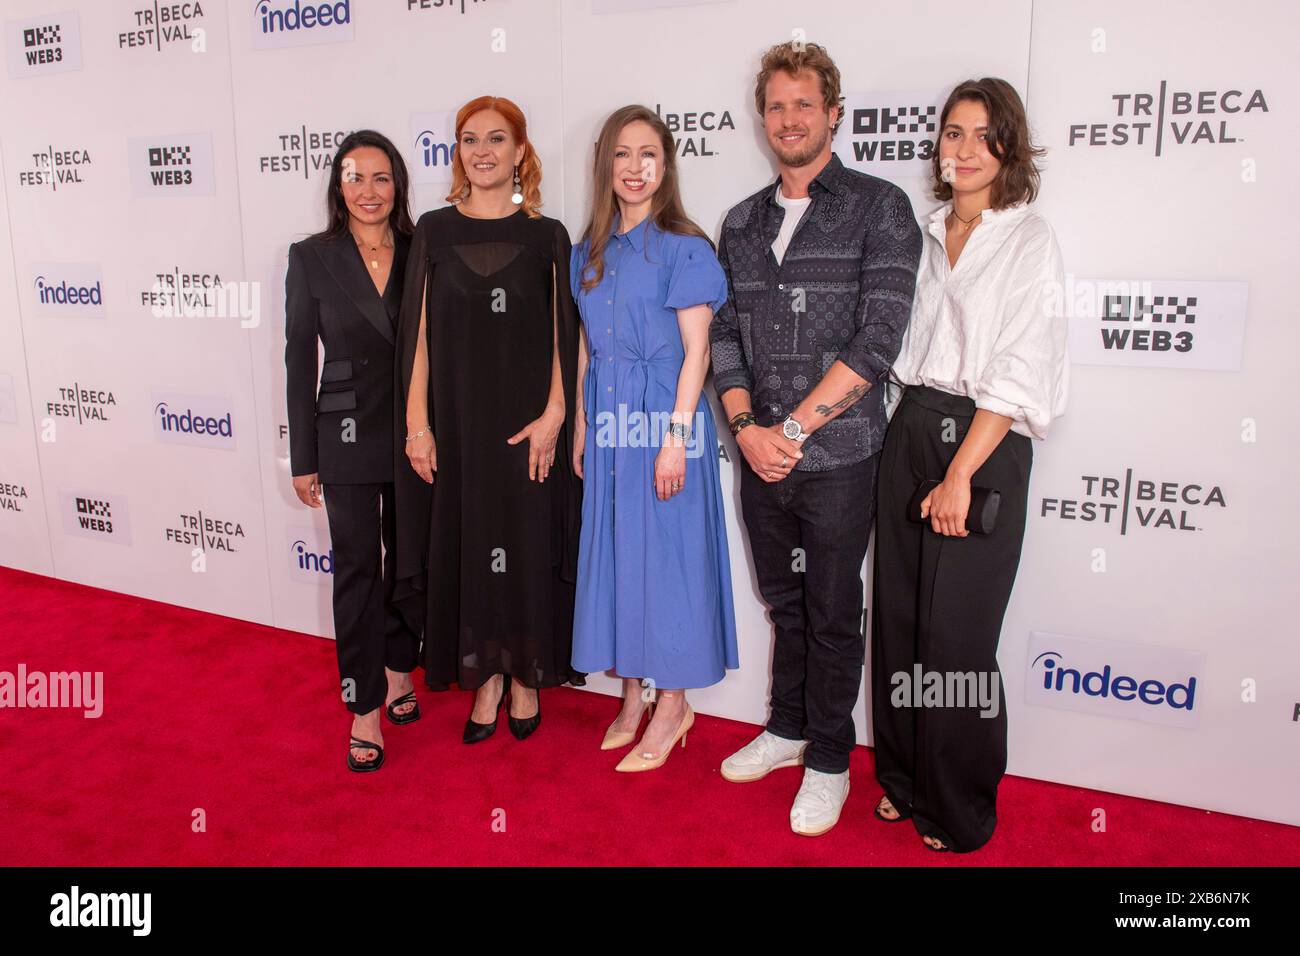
[(343, 288), (488, 359)]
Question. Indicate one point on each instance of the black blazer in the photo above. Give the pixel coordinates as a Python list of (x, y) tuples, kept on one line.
[(344, 434)]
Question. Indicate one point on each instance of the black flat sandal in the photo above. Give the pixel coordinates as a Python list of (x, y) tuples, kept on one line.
[(407, 718), (898, 819), (368, 765)]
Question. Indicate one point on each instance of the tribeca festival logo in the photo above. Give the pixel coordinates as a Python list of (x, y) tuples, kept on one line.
[(302, 152), (1165, 118), (308, 563), (68, 289), (171, 165), (451, 6), (178, 292), (161, 25), (1156, 323), (98, 516), (1128, 503), (200, 420), (54, 168), (1113, 678), (890, 134), (12, 497), (83, 404), (285, 23), (48, 44), (691, 129), (204, 533)]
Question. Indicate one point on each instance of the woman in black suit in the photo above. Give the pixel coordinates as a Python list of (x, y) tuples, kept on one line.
[(343, 287)]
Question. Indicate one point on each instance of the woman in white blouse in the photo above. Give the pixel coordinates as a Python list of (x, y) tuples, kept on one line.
[(984, 367)]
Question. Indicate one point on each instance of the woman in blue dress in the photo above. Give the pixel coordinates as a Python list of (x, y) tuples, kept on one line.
[(654, 596)]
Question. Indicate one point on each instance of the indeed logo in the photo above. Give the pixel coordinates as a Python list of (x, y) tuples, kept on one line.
[(311, 561), (1104, 683), (433, 150), (276, 16), (62, 293), (190, 422)]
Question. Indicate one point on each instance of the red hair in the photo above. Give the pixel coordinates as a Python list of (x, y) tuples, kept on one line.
[(530, 167)]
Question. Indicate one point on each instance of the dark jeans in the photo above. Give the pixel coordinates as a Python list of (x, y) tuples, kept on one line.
[(369, 633), (809, 536), (939, 604)]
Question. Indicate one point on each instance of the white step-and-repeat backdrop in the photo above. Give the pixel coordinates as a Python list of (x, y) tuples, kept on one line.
[(158, 158)]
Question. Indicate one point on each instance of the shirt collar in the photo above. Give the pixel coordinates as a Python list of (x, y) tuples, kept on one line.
[(830, 179), (991, 217), (635, 237)]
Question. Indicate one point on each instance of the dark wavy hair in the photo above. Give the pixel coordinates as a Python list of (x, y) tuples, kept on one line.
[(399, 220), (1008, 141)]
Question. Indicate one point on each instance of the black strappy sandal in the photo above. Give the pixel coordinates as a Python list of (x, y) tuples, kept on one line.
[(407, 718), (898, 819), (368, 765), (936, 849)]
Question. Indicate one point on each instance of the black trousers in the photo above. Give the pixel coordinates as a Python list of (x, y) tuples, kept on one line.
[(808, 533), (369, 632), (939, 603)]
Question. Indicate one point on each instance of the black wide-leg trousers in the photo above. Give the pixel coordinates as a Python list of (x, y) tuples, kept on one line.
[(369, 631), (939, 603)]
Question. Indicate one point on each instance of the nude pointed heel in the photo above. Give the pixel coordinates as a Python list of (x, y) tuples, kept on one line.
[(615, 740), (636, 763)]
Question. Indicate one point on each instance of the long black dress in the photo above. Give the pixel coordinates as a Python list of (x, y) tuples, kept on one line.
[(494, 554)]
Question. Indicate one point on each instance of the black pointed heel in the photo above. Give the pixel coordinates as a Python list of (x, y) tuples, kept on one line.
[(365, 766), (400, 719), (476, 732), (521, 727)]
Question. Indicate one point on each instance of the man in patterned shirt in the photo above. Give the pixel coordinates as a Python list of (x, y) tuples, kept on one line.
[(821, 267)]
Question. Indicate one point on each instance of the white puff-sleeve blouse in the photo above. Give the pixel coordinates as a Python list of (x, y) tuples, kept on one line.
[(993, 328)]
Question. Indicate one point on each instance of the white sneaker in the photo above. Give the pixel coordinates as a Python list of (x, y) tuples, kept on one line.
[(818, 804), (762, 755)]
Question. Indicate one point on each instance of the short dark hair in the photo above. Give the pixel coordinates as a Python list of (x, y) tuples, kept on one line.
[(1008, 141)]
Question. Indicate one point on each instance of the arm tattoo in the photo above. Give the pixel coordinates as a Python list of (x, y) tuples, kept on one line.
[(855, 393)]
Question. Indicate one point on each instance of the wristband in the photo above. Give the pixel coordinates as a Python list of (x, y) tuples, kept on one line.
[(740, 421)]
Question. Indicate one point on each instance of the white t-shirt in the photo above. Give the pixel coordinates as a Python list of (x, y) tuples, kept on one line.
[(794, 210), (993, 328)]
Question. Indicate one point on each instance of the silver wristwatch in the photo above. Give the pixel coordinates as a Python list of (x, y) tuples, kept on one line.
[(792, 430)]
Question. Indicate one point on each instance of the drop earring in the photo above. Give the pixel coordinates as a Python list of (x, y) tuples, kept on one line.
[(517, 196)]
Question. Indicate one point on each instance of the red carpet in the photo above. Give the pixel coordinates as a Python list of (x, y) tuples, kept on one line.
[(242, 722)]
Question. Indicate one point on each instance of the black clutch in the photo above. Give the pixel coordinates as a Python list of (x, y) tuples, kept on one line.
[(981, 515)]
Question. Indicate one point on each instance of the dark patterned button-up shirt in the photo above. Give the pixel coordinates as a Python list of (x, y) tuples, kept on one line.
[(843, 290)]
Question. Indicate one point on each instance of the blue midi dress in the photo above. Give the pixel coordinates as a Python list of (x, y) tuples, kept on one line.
[(654, 594)]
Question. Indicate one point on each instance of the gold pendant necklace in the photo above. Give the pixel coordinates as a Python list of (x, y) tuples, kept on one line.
[(374, 263)]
